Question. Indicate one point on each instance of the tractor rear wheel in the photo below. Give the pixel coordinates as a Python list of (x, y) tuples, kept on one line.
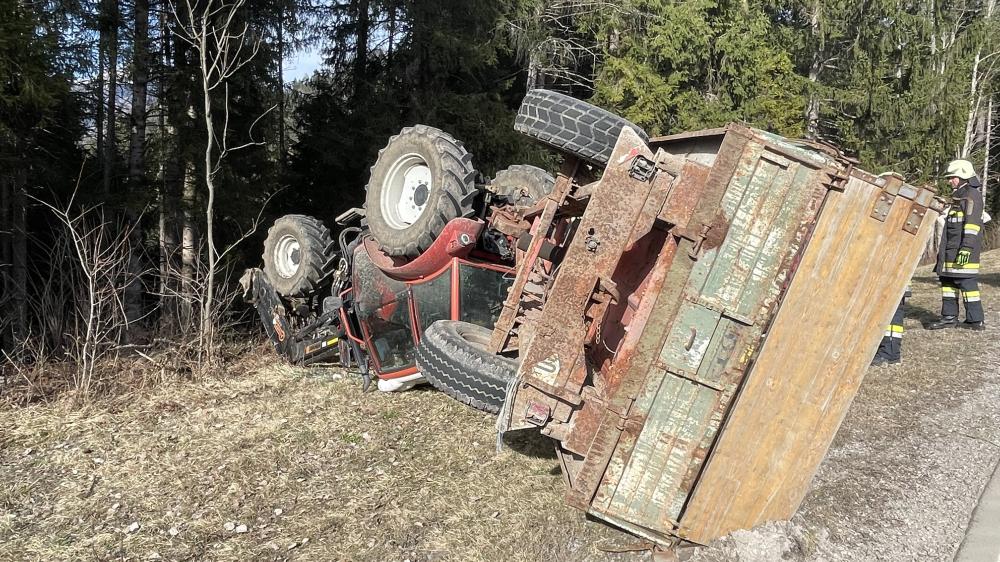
[(453, 357), (422, 179), (571, 126)]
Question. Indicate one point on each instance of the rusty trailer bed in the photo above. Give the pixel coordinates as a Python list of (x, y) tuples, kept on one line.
[(708, 324)]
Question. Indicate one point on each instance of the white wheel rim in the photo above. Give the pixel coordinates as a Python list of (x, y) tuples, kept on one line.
[(287, 256), (406, 191)]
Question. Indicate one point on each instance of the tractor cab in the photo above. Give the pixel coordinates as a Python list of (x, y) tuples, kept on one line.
[(392, 312)]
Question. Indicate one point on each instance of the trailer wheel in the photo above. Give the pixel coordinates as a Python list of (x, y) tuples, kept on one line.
[(571, 126), (523, 185), (422, 179), (452, 356), (298, 255)]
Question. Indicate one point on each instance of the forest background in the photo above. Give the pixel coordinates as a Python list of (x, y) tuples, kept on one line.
[(105, 179)]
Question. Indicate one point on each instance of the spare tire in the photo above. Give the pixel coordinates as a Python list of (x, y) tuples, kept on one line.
[(422, 179), (453, 357), (523, 185), (298, 255), (571, 126)]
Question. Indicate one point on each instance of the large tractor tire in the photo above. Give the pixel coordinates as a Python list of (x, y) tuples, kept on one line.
[(523, 185), (422, 179), (453, 357), (571, 126), (298, 255)]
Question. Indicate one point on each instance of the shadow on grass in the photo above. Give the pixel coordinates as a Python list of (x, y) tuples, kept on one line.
[(990, 279), (921, 314), (530, 442)]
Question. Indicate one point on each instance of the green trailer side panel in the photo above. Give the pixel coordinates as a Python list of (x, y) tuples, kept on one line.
[(706, 348), (689, 340), (660, 457)]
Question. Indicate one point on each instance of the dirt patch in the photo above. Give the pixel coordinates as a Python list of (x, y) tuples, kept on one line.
[(293, 464)]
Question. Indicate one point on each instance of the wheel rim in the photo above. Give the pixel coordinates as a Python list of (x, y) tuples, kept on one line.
[(405, 191), (287, 253)]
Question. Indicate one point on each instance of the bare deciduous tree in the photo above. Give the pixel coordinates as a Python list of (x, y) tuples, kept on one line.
[(223, 46)]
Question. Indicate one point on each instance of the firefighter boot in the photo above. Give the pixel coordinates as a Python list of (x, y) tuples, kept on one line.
[(944, 322), (977, 326)]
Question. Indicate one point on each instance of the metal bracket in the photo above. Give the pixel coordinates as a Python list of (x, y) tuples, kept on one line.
[(882, 206), (642, 169), (915, 219), (837, 179)]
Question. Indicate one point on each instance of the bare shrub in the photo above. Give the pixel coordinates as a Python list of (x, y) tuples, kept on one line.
[(81, 303)]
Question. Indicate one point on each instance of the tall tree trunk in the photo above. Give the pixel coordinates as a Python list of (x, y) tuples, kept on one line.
[(19, 256), (363, 30), (110, 148), (6, 236), (189, 256), (281, 87), (208, 302), (989, 147), (99, 114), (977, 84), (136, 157), (140, 80), (167, 191), (392, 37), (812, 105)]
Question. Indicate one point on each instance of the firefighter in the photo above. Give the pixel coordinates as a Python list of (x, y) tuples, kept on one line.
[(890, 350), (958, 255)]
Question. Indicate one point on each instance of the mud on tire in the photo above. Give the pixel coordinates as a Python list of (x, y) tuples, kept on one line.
[(524, 185), (422, 179), (571, 126), (452, 356), (298, 256)]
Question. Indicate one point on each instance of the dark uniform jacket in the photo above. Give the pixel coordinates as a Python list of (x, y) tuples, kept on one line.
[(962, 229)]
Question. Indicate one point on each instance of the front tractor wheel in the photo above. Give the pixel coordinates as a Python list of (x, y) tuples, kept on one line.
[(422, 179), (298, 255), (523, 185)]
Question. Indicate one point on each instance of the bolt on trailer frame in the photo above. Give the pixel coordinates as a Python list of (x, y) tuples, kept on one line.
[(709, 315)]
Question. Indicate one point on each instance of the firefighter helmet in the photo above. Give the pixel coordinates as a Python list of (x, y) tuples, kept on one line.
[(961, 169)]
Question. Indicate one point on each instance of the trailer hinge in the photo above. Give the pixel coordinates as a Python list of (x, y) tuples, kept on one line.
[(837, 180)]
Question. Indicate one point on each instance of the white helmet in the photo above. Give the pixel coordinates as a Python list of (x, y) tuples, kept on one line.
[(961, 169)]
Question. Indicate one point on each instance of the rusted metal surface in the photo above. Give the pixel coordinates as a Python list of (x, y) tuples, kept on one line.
[(591, 258), (506, 325)]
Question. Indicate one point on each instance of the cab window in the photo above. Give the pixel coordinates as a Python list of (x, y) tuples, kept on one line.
[(433, 299), (391, 335), (483, 292)]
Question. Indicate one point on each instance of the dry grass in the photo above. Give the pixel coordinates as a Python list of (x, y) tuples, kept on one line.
[(316, 470)]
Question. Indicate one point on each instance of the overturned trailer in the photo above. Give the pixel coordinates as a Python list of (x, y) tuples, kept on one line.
[(688, 317), (692, 327)]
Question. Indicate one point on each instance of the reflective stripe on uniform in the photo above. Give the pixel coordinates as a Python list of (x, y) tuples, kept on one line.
[(894, 331), (969, 268), (970, 296), (972, 229), (949, 292)]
